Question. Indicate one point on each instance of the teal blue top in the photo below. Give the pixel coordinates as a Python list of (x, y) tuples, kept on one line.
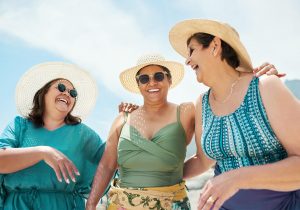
[(37, 187), (152, 163), (242, 138)]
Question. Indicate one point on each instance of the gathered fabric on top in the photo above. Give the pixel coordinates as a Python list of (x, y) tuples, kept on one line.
[(245, 138), (242, 138), (155, 162)]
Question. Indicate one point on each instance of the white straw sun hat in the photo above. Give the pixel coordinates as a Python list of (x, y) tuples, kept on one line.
[(183, 30), (128, 76), (39, 75)]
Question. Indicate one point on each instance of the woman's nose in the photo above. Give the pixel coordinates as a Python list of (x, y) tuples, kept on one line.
[(188, 60)]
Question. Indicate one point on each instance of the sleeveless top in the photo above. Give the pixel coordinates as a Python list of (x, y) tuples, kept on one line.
[(152, 163), (242, 138)]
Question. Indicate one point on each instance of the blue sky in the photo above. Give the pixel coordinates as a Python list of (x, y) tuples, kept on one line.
[(106, 37)]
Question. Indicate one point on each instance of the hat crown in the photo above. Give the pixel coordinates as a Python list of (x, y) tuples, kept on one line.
[(150, 58)]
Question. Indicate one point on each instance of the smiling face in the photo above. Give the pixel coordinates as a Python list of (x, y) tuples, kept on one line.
[(154, 90), (57, 101), (200, 59)]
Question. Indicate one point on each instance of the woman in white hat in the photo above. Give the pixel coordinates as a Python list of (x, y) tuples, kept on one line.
[(148, 145), (48, 157), (248, 127)]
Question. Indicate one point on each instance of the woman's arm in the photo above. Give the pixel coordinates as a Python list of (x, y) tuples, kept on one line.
[(187, 118), (283, 111), (198, 163), (16, 159), (107, 165)]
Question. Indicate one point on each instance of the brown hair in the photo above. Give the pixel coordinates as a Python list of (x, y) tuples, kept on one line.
[(38, 109), (228, 53)]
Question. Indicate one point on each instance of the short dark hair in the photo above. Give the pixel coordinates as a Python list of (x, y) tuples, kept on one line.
[(38, 109), (163, 68), (228, 53)]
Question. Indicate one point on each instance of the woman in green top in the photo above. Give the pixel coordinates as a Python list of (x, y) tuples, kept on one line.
[(48, 157), (149, 145)]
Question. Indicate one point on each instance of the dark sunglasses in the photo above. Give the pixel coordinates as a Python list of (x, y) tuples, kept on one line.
[(62, 88), (157, 76)]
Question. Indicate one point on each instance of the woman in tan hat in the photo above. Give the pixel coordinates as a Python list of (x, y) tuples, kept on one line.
[(47, 156), (148, 145), (248, 127)]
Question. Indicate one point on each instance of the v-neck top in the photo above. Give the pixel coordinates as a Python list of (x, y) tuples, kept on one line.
[(152, 162), (37, 187)]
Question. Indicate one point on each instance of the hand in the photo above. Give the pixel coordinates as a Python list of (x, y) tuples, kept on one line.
[(127, 107), (60, 164), (268, 69), (216, 191)]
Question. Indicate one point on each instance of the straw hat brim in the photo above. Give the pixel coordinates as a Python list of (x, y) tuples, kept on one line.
[(182, 31), (37, 76), (128, 76)]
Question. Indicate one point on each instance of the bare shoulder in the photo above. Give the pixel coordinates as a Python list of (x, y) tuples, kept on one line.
[(187, 106), (119, 122), (274, 91)]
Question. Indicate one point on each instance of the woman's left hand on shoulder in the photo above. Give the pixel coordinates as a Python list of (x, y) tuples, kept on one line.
[(127, 107), (268, 69), (217, 190)]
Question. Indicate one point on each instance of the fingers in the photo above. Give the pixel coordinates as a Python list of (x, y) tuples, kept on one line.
[(127, 107), (268, 69), (257, 69), (63, 171), (58, 174), (121, 107), (72, 170)]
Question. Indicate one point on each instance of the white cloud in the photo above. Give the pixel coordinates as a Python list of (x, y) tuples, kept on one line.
[(93, 34), (268, 28), (105, 37)]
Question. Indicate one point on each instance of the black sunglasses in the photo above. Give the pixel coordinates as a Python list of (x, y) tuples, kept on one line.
[(62, 88), (157, 76)]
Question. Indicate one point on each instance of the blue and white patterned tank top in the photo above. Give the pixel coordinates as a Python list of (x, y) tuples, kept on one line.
[(242, 138)]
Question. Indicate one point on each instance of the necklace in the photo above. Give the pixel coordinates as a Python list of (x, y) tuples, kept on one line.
[(231, 91)]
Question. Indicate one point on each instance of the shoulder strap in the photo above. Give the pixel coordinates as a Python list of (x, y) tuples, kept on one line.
[(178, 113), (125, 117)]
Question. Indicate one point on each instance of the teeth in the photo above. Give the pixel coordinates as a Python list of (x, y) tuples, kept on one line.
[(63, 100), (153, 90)]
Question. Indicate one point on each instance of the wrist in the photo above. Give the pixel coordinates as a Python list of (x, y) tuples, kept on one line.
[(242, 179), (42, 151)]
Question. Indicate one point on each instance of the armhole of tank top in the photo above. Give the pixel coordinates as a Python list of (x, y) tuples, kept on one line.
[(125, 117), (178, 114)]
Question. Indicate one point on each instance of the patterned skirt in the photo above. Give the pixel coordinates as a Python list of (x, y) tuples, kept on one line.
[(155, 198)]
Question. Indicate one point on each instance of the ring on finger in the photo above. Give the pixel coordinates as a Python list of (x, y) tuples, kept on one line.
[(211, 200)]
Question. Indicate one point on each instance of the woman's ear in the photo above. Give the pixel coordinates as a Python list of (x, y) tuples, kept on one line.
[(216, 46)]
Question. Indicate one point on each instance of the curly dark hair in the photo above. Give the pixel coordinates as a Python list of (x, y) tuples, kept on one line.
[(38, 109)]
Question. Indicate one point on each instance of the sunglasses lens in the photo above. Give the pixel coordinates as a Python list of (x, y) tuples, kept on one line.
[(61, 87), (159, 76), (73, 93), (144, 78)]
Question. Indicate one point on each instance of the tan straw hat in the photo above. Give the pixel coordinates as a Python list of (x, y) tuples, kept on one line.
[(37, 76), (127, 77), (182, 31)]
